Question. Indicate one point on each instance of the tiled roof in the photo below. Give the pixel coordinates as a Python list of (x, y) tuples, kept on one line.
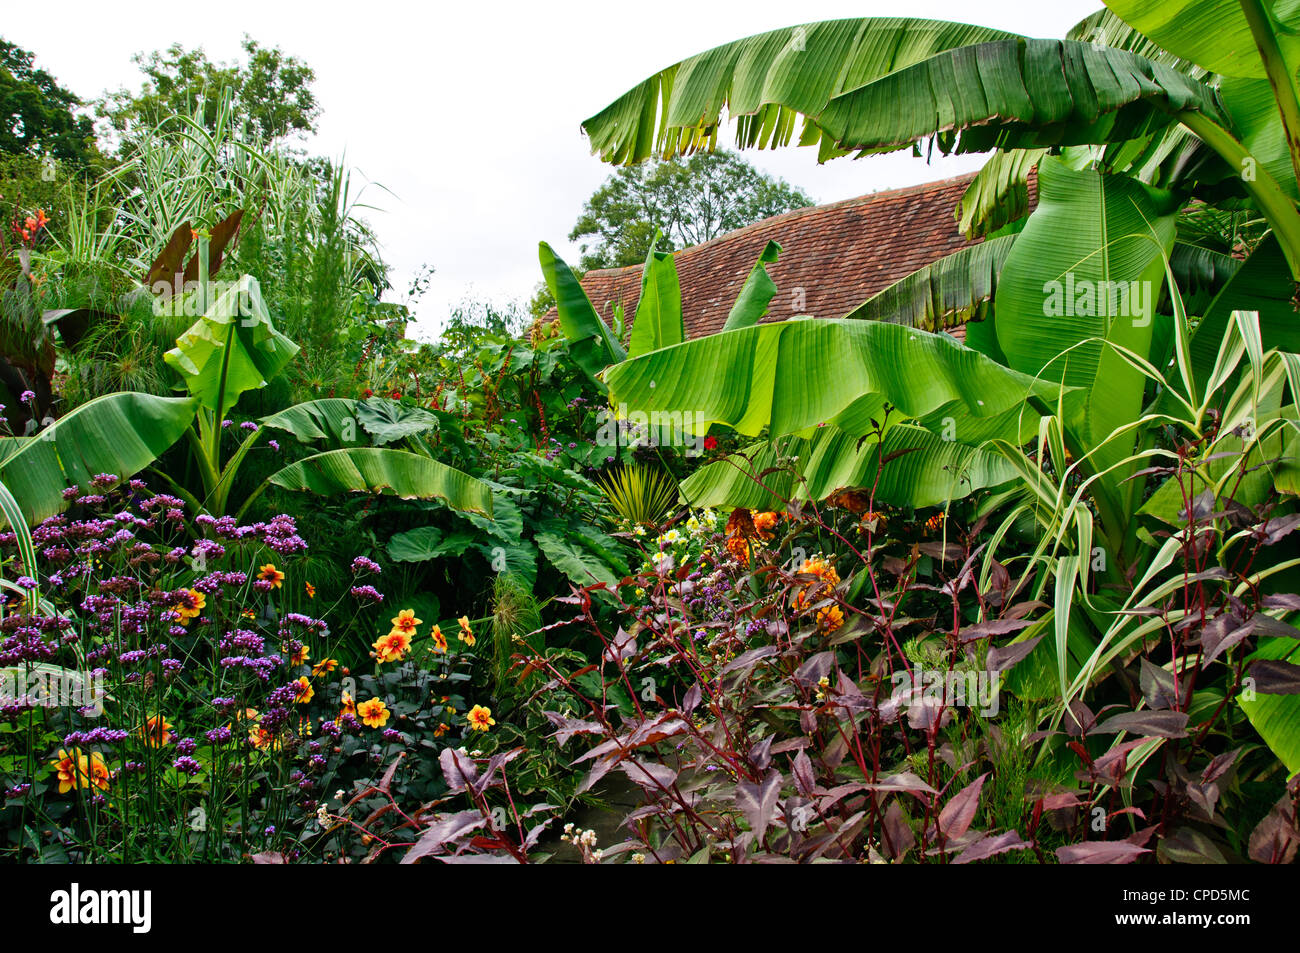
[(833, 257)]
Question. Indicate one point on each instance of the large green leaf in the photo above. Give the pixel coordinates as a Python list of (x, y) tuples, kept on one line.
[(999, 193), (506, 521), (582, 566), (1251, 105), (658, 320), (766, 81), (751, 304), (333, 419), (1104, 28), (118, 433), (11, 513), (389, 472), (1015, 93), (232, 348), (1088, 267), (591, 343), (427, 542), (1263, 284), (920, 469), (1277, 717), (1200, 274), (792, 376), (518, 559), (388, 420), (944, 294), (1214, 34)]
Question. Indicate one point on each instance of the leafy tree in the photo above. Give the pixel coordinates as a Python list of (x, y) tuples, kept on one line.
[(272, 90), (689, 200), (39, 116)]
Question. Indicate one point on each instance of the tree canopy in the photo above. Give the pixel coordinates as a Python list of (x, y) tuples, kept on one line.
[(688, 200), (39, 116), (271, 89)]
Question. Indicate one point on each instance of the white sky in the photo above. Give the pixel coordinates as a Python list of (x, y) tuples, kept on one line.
[(469, 112)]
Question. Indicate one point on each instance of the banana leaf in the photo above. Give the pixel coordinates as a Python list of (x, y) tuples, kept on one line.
[(388, 472), (919, 469), (231, 349), (118, 433), (591, 342), (767, 81), (792, 376)]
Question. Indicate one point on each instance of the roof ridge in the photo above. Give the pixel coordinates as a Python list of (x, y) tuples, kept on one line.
[(865, 199)]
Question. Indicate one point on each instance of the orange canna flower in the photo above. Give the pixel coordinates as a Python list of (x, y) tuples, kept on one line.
[(392, 647), (765, 524), (156, 731), (741, 523), (827, 579), (71, 770), (373, 712), (192, 603), (738, 546), (261, 739), (439, 640), (405, 621), (466, 635), (75, 770), (311, 590), (99, 775), (480, 718), (829, 618), (349, 705), (305, 692), (324, 667)]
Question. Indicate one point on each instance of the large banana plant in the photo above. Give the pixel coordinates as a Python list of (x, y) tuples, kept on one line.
[(1131, 104), (232, 348), (879, 84), (1143, 109), (844, 421)]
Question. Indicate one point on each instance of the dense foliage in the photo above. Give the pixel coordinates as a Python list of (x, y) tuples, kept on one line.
[(281, 586)]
